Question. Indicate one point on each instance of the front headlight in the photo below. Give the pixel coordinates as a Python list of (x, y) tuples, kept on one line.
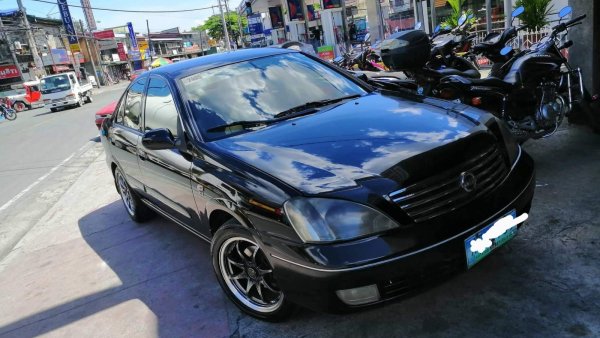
[(326, 220), (70, 96)]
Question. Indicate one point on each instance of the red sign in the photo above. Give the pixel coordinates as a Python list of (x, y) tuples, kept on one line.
[(7, 72), (109, 34), (121, 51)]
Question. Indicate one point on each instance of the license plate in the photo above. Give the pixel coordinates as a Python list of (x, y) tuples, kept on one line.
[(484, 241)]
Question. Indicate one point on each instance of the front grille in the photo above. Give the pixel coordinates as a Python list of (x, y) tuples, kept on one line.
[(423, 277), (440, 194)]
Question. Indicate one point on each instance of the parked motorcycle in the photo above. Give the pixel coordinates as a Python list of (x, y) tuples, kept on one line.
[(7, 112), (451, 47), (538, 88), (366, 60)]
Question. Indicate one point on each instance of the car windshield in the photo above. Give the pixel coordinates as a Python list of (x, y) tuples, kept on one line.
[(55, 84), (260, 89)]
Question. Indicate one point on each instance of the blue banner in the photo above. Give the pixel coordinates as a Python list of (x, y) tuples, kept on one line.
[(63, 8), (132, 36), (7, 13), (255, 24)]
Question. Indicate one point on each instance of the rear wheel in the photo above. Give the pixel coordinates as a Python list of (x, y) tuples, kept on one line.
[(88, 98), (135, 208), (19, 106), (80, 103), (246, 275), (54, 110)]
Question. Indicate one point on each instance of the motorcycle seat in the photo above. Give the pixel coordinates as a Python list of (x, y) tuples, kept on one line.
[(471, 73), (485, 82)]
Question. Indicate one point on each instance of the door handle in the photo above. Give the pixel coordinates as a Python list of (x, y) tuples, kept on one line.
[(143, 155)]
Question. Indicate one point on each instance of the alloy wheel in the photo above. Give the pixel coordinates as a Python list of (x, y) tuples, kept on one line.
[(126, 194), (249, 275)]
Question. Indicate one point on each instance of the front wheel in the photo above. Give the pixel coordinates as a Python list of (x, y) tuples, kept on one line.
[(88, 98), (80, 103), (19, 106), (246, 275), (136, 209), (10, 115)]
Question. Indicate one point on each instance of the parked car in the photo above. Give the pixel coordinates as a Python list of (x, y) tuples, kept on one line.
[(65, 90), (135, 74), (24, 96), (312, 187), (104, 112)]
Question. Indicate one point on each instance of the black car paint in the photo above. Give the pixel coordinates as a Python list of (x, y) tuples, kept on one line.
[(198, 183)]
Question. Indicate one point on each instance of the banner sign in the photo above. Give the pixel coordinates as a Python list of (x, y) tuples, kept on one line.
[(63, 8), (7, 13), (255, 24), (295, 8), (332, 4), (60, 55), (276, 17), (134, 44), (75, 48), (325, 52), (8, 71), (109, 34), (135, 55), (121, 52)]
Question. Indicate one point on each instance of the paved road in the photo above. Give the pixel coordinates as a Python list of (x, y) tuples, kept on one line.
[(38, 140)]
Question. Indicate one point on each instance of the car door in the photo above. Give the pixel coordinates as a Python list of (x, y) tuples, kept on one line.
[(166, 173), (126, 133)]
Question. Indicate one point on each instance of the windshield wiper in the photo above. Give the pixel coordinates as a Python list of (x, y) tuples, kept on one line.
[(313, 104), (243, 124)]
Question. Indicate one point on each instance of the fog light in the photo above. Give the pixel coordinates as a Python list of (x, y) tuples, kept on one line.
[(359, 296)]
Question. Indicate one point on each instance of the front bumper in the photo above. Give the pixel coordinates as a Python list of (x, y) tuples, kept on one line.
[(62, 103), (309, 283)]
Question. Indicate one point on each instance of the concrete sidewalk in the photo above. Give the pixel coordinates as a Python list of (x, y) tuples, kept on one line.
[(86, 270)]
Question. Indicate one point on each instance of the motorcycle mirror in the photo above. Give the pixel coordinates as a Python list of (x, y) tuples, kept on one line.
[(506, 50), (470, 16), (565, 11), (462, 19), (518, 11), (367, 37), (418, 25), (437, 28)]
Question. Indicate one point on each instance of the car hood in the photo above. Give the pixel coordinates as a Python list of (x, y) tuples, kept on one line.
[(338, 146), (108, 109)]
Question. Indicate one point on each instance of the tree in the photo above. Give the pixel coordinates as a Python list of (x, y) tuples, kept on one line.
[(452, 20), (214, 26), (536, 12)]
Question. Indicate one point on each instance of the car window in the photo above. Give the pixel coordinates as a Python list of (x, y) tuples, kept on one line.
[(160, 111), (261, 88), (133, 105), (120, 109)]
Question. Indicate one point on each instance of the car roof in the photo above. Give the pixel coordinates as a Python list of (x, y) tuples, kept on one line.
[(192, 66)]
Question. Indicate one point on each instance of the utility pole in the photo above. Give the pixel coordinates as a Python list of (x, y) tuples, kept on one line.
[(227, 22), (227, 42), (32, 45), (87, 46), (149, 42), (11, 48)]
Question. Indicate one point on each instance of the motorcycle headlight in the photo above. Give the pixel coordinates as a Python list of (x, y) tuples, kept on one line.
[(327, 220)]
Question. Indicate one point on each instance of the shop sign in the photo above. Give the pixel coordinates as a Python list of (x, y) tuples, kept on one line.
[(332, 4), (63, 8), (108, 34), (121, 52), (135, 55), (75, 48), (107, 44), (276, 17), (295, 8), (8, 71), (59, 55), (143, 44), (326, 52)]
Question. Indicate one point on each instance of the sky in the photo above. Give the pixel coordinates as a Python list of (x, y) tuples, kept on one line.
[(157, 21)]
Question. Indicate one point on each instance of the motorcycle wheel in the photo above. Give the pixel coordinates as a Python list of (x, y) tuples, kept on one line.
[(10, 115)]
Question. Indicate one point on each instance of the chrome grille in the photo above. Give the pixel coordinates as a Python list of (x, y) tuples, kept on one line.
[(443, 193)]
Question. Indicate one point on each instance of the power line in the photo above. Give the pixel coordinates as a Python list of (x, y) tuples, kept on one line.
[(132, 11)]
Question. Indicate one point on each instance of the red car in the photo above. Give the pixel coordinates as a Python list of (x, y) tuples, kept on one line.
[(105, 112), (135, 74)]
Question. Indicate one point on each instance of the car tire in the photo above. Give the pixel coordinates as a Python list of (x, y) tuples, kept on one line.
[(246, 275), (80, 103), (136, 209), (88, 98), (54, 110), (19, 106)]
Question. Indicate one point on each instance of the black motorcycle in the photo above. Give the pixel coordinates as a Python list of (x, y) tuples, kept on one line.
[(7, 112), (451, 48), (537, 91)]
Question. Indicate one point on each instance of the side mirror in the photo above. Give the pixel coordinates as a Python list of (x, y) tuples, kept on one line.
[(418, 25), (437, 28), (462, 19), (367, 37), (518, 11), (158, 139), (504, 51), (565, 11)]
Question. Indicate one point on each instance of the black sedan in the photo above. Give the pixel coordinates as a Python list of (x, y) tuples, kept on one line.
[(313, 187)]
